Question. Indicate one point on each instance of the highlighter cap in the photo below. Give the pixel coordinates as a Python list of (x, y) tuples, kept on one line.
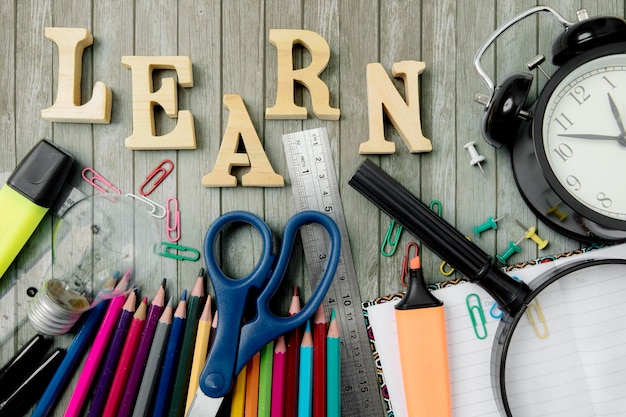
[(41, 174)]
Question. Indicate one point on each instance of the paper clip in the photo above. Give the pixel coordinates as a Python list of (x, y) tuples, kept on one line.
[(157, 176), (393, 243), (189, 254), (477, 315), (173, 220), (535, 308), (97, 177), (156, 210), (436, 203), (405, 262), (446, 269)]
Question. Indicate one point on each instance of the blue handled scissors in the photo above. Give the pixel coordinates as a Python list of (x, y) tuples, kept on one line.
[(235, 343)]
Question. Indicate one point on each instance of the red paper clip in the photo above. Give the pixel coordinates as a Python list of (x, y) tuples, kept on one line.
[(157, 176), (97, 177), (405, 262), (173, 220)]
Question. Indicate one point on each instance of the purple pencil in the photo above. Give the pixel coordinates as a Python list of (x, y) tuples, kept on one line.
[(139, 364), (113, 354)]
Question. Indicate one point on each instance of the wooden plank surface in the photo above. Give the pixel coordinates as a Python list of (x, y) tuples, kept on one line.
[(227, 42)]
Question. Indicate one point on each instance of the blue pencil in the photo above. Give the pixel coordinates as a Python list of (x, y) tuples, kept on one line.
[(72, 358), (305, 380), (166, 381)]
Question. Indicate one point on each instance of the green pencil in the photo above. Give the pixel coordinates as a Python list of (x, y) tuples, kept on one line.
[(183, 370), (265, 381), (333, 369)]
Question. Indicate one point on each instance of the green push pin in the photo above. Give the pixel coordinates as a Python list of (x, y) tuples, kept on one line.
[(489, 224), (511, 249)]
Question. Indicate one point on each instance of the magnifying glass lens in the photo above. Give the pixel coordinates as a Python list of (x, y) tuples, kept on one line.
[(567, 354)]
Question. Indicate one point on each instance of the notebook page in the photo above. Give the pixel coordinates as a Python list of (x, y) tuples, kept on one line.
[(469, 354)]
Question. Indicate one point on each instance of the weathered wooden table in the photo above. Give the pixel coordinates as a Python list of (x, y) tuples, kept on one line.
[(227, 42)]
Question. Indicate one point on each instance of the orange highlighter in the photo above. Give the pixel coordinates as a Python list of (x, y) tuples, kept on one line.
[(423, 349)]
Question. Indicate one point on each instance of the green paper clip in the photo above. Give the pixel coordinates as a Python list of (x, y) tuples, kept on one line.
[(188, 254), (477, 315), (393, 243)]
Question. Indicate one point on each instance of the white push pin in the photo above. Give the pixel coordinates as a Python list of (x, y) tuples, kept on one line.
[(476, 158)]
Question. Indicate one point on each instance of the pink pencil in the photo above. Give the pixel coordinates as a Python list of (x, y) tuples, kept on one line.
[(98, 348), (126, 359), (278, 377)]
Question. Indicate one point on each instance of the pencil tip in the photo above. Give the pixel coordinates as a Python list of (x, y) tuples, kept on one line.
[(163, 282), (296, 291)]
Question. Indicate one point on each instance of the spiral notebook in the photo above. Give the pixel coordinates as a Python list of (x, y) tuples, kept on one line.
[(469, 341)]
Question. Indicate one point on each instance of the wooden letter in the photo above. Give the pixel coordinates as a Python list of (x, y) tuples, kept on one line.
[(285, 108), (405, 116), (183, 136), (67, 108), (261, 173)]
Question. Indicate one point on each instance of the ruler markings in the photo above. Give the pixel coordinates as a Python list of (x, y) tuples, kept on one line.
[(315, 187)]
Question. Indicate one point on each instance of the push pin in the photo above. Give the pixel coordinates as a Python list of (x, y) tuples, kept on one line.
[(554, 211), (511, 249), (531, 233), (476, 157), (489, 224)]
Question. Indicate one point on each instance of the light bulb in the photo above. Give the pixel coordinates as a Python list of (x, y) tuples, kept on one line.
[(99, 238)]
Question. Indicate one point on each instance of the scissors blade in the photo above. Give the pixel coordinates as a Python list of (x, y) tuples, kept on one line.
[(204, 406)]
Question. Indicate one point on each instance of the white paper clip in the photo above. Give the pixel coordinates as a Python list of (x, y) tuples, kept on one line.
[(153, 208)]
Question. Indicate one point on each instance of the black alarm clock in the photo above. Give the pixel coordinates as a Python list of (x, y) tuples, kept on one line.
[(568, 148)]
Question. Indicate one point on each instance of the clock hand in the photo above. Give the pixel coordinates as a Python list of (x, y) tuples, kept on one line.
[(617, 116), (590, 136)]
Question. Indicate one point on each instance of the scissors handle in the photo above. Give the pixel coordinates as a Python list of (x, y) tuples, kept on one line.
[(234, 343)]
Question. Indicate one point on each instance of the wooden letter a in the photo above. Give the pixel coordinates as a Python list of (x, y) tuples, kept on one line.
[(240, 125), (405, 116), (67, 108)]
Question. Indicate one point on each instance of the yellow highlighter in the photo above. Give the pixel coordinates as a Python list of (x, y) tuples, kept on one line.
[(423, 349), (29, 192)]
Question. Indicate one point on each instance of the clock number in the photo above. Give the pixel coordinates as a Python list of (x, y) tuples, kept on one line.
[(564, 151), (580, 95), (564, 121), (609, 81), (604, 200), (573, 182)]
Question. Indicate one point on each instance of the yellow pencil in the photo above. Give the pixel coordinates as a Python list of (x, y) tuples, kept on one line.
[(200, 351), (239, 394)]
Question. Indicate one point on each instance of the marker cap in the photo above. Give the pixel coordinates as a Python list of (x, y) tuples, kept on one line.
[(41, 174)]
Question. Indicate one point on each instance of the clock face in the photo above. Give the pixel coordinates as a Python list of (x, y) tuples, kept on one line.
[(584, 138)]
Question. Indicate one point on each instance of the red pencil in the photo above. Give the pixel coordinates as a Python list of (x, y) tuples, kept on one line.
[(293, 339), (320, 330), (126, 360)]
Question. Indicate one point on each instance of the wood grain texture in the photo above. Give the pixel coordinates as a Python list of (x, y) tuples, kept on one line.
[(228, 44)]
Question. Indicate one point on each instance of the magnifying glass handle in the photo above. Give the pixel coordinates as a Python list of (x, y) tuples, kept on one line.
[(443, 239)]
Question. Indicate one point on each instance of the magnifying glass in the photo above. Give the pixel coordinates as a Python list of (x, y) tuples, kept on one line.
[(559, 348)]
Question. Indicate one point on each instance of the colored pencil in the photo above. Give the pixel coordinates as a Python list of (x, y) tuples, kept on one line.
[(238, 399), (305, 390), (126, 359), (112, 357), (162, 398), (279, 373), (333, 370), (293, 340), (252, 387), (111, 310), (150, 378), (200, 351), (265, 380), (79, 344), (319, 331), (183, 367), (139, 364)]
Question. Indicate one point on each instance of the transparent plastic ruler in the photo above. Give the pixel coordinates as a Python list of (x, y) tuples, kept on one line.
[(315, 187)]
